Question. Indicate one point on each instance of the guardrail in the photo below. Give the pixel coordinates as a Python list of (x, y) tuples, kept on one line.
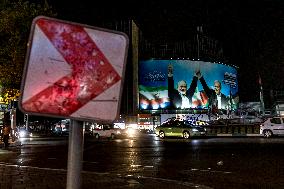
[(233, 130)]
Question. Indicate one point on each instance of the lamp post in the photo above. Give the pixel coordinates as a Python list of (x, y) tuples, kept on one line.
[(230, 79), (199, 30)]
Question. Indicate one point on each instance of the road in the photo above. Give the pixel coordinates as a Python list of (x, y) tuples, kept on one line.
[(211, 162)]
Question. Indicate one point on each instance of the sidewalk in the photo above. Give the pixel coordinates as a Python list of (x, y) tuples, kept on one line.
[(11, 144)]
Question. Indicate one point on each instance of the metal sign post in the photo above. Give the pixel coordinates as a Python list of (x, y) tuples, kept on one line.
[(27, 121), (75, 155)]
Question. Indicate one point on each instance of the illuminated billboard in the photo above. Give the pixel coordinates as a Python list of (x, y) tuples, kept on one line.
[(186, 84)]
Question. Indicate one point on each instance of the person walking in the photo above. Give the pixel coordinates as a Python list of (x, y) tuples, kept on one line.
[(6, 133)]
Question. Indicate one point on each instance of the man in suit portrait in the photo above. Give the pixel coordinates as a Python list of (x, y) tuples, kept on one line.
[(217, 100), (180, 98)]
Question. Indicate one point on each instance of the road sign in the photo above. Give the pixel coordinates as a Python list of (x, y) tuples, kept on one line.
[(73, 71)]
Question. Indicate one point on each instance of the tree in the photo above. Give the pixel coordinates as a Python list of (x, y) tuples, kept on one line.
[(15, 21)]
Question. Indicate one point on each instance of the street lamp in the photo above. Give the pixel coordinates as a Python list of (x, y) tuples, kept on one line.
[(231, 80), (199, 30)]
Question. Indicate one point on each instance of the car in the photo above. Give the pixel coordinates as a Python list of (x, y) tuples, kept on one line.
[(176, 128), (107, 131), (272, 126), (24, 133)]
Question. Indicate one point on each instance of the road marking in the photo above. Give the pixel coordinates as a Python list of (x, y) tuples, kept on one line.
[(209, 170), (175, 182), (6, 152), (149, 166), (189, 184)]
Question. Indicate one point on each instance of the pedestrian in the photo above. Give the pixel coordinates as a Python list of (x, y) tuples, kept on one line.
[(6, 133)]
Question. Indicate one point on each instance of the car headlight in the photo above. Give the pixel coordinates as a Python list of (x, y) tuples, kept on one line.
[(22, 133), (131, 131), (195, 130)]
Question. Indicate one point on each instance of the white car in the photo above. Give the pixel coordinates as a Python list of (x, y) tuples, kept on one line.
[(107, 132), (272, 126)]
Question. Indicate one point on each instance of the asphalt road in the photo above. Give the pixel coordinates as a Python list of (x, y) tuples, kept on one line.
[(213, 162)]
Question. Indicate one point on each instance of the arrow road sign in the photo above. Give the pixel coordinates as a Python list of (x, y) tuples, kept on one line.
[(73, 71)]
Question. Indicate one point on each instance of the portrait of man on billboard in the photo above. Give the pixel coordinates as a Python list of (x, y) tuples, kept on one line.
[(217, 100), (180, 98)]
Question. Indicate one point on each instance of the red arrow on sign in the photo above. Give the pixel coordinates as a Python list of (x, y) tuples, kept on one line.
[(91, 72)]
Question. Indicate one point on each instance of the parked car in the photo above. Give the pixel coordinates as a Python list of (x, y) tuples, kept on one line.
[(272, 126), (107, 131), (178, 128)]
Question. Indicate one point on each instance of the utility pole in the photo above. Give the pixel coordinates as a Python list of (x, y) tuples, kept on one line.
[(261, 100), (261, 95)]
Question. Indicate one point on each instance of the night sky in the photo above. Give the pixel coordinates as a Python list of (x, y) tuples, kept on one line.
[(252, 31)]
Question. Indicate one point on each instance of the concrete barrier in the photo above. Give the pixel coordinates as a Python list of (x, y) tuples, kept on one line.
[(233, 130)]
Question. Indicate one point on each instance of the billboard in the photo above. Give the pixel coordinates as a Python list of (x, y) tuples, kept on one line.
[(186, 84)]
